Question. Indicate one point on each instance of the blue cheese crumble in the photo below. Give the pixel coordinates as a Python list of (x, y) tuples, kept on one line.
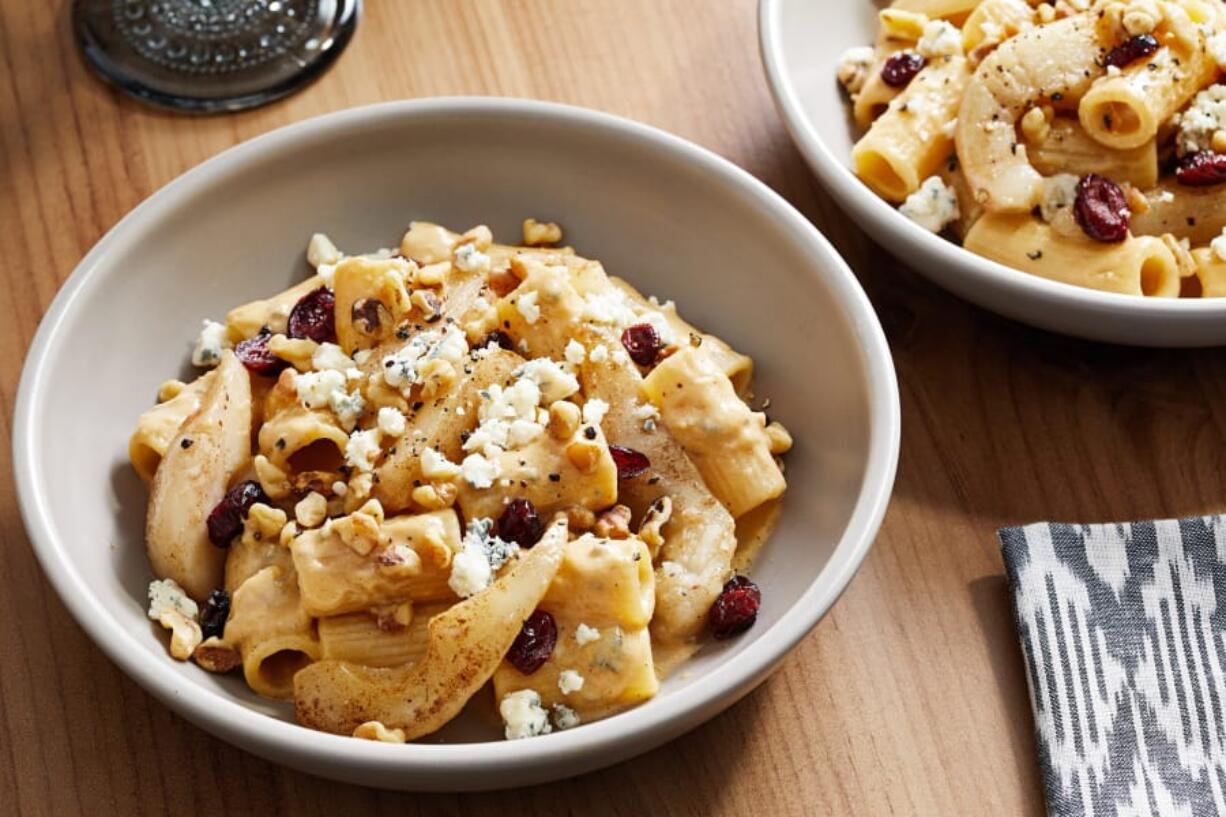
[(480, 557), (523, 715), (1203, 118), (213, 340), (934, 206), (564, 717), (585, 634), (569, 681)]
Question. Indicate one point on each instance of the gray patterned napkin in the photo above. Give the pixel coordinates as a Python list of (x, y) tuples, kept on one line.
[(1123, 631)]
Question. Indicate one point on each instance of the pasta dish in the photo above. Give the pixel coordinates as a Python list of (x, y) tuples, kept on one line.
[(1083, 141), (453, 471)]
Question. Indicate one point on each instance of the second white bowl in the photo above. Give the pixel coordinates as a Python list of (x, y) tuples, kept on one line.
[(801, 41)]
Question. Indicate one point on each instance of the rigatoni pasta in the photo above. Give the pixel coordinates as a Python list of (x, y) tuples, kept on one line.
[(457, 462), (1066, 119)]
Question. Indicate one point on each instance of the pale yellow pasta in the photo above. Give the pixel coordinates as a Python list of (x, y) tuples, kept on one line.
[(1067, 148), (908, 143), (1195, 213), (737, 366), (1137, 266), (407, 558), (1125, 111), (699, 537), (247, 320), (726, 441), (1210, 273), (465, 644), (993, 21), (362, 638), (371, 299), (601, 600), (875, 96), (949, 9), (272, 632)]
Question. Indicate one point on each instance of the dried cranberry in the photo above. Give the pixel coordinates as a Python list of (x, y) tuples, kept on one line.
[(901, 68), (226, 520), (534, 644), (520, 523), (499, 337), (642, 343), (736, 608), (1130, 51), (314, 316), (214, 614), (1102, 209), (255, 355), (1202, 169), (630, 463)]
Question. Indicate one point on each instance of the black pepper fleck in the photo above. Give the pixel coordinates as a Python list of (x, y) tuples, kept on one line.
[(590, 433), (555, 477), (186, 443)]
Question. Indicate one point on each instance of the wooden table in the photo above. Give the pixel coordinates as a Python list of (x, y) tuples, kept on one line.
[(909, 698)]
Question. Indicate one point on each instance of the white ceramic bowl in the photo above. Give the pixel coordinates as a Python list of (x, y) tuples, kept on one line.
[(673, 218), (801, 41)]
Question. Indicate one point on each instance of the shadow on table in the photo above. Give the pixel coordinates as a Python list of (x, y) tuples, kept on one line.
[(993, 609)]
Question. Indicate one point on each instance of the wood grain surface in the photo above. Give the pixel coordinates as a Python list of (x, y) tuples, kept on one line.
[(909, 697)]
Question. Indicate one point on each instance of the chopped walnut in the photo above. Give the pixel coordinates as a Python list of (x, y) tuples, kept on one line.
[(288, 533), (435, 496), (480, 237), (311, 510), (564, 418), (298, 352), (263, 524), (185, 633), (584, 455), (539, 233), (360, 530), (215, 655), (273, 480), (374, 730), (360, 487), (393, 617), (779, 438), (399, 555), (613, 523), (433, 275), (429, 304), (1036, 126), (170, 390), (321, 250), (438, 376), (579, 519), (651, 529)]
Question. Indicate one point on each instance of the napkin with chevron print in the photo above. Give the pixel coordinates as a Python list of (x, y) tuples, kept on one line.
[(1123, 632)]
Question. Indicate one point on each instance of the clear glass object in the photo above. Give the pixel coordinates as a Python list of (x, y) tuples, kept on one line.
[(207, 56)]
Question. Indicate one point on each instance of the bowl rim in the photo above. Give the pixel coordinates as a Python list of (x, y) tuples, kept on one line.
[(852, 194), (283, 741)]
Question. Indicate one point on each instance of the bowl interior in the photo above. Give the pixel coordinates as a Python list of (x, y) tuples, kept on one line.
[(236, 232)]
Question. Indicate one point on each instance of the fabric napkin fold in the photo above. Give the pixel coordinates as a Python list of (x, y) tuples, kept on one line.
[(1123, 632)]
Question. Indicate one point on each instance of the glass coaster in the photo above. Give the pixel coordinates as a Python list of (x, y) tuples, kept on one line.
[(206, 56)]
